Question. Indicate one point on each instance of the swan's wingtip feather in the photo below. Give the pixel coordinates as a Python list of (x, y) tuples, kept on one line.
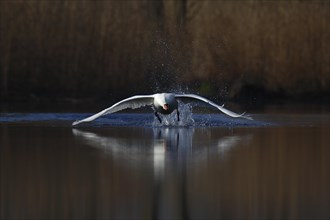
[(75, 123), (247, 116), (244, 115)]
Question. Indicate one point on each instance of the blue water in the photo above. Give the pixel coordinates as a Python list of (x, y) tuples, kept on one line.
[(133, 119)]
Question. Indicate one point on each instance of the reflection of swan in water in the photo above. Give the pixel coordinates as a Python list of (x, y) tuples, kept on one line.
[(166, 151), (110, 144), (178, 140), (137, 144), (154, 145), (142, 149)]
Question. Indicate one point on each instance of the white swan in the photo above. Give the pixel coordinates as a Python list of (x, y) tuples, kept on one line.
[(164, 103)]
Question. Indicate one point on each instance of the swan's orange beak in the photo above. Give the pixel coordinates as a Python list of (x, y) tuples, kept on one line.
[(165, 107)]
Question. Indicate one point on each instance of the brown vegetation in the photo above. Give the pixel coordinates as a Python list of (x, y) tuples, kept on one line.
[(82, 49)]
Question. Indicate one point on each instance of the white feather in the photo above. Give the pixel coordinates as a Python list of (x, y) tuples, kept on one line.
[(132, 102), (191, 97)]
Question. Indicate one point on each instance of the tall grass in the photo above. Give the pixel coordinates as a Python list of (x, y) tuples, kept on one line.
[(282, 46), (98, 48)]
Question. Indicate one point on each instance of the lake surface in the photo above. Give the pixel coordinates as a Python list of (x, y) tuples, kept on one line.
[(128, 166)]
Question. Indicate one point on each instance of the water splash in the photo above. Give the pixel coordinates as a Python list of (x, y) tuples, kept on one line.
[(186, 117)]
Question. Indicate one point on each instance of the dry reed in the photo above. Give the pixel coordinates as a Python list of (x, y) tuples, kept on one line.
[(95, 48)]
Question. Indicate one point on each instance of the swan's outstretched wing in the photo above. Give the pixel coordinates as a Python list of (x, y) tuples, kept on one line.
[(192, 97), (132, 102)]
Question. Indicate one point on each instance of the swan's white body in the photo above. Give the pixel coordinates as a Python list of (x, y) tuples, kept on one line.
[(164, 103)]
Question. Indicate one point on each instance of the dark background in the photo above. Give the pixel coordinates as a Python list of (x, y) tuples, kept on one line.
[(97, 50)]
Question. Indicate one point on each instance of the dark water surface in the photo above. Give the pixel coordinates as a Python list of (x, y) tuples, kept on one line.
[(128, 166)]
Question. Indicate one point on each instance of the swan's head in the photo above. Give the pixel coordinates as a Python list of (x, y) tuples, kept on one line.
[(165, 101)]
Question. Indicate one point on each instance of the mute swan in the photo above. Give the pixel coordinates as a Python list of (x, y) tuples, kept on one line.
[(164, 103)]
